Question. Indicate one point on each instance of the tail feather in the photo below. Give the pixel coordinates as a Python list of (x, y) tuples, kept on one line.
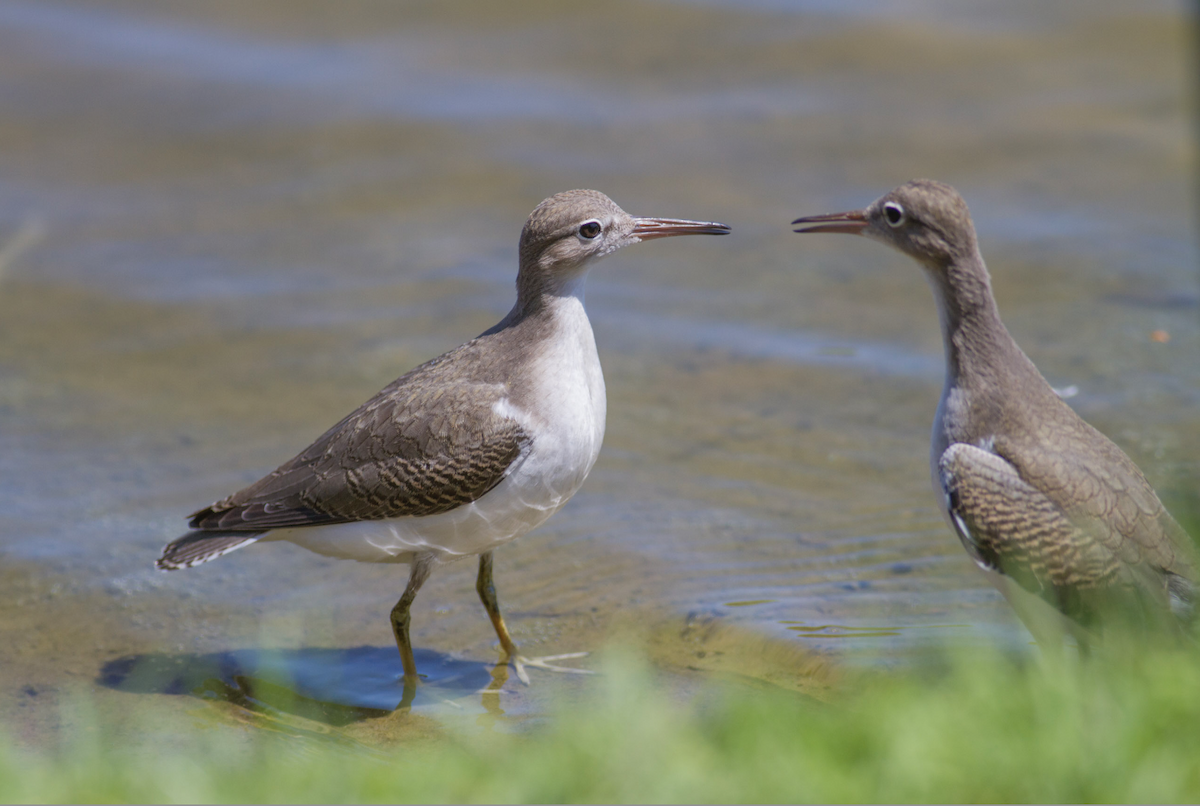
[(198, 547)]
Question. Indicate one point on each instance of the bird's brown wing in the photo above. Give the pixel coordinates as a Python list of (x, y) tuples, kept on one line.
[(1103, 492), (1073, 562), (420, 447)]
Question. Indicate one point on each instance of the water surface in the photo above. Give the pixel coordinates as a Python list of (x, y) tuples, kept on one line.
[(223, 226)]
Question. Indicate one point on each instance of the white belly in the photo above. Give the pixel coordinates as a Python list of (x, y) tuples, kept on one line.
[(513, 507), (564, 414)]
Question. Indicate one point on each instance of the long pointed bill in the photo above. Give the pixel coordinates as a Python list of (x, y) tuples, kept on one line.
[(851, 223), (650, 228)]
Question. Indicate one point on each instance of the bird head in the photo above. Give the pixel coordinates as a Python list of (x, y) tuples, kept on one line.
[(926, 220), (569, 230)]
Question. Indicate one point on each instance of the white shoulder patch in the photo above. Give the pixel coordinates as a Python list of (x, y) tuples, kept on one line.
[(506, 409)]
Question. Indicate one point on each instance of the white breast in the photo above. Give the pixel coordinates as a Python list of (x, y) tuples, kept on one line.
[(564, 415)]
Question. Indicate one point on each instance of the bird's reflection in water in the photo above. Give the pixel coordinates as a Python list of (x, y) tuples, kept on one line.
[(491, 697), (334, 687)]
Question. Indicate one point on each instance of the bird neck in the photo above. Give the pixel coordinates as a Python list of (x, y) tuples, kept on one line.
[(979, 349), (546, 297), (542, 283)]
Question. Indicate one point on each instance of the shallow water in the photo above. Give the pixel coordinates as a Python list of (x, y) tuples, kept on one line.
[(224, 226)]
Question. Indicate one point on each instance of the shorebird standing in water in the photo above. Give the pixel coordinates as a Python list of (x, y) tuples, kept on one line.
[(467, 451), (1040, 499)]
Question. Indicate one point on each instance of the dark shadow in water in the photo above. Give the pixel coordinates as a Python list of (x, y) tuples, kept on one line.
[(333, 686)]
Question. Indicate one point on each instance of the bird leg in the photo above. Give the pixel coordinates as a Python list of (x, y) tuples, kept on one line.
[(487, 595), (422, 565)]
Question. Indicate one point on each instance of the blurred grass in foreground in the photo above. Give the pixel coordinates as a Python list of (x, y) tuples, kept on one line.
[(979, 728)]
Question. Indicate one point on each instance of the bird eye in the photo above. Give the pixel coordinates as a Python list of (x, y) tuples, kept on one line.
[(589, 229), (894, 214)]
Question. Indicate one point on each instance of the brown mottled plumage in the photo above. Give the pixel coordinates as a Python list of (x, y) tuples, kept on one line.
[(1034, 492), (465, 452), (427, 443)]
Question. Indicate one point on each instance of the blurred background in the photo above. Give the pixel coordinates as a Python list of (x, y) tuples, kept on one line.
[(225, 225)]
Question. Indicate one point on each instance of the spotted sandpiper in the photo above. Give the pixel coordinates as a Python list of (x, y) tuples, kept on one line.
[(1042, 501), (467, 451)]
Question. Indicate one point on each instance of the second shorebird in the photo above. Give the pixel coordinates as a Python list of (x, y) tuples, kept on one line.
[(467, 451), (1037, 496)]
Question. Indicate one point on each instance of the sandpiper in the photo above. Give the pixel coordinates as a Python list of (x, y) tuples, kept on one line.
[(467, 451), (1042, 501)]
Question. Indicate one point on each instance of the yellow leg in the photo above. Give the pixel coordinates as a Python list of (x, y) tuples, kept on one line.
[(401, 617), (487, 595)]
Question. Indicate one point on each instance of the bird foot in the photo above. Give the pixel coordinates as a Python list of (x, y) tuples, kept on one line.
[(519, 662)]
